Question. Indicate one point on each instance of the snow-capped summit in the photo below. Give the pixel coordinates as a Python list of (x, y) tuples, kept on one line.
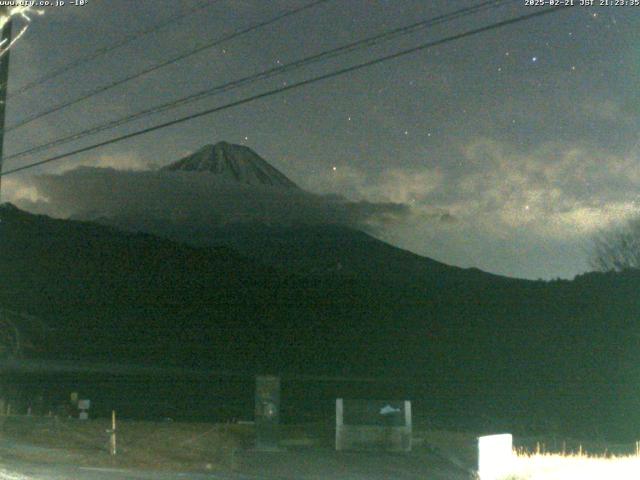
[(232, 162)]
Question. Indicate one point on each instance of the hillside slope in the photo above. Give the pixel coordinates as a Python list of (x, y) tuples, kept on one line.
[(464, 342)]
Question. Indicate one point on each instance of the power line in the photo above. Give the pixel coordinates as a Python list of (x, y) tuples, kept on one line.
[(163, 64), (296, 85), (109, 48), (366, 42)]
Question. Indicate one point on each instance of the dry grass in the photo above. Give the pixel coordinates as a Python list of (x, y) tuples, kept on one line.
[(7, 475), (177, 446), (553, 466), (146, 445)]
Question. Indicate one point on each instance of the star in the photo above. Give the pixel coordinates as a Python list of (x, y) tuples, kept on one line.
[(534, 59), (334, 168)]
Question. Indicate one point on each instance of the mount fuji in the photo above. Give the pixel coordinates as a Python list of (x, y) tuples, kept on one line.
[(303, 248), (231, 162)]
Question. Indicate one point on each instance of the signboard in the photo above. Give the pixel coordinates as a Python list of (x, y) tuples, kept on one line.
[(373, 425), (267, 412), (84, 406)]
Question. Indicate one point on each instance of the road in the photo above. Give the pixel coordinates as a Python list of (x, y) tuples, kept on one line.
[(24, 471), (315, 464)]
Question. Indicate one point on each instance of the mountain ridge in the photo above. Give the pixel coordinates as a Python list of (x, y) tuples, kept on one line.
[(472, 343), (232, 162)]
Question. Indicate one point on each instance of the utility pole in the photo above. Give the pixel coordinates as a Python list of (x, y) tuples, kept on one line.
[(5, 38)]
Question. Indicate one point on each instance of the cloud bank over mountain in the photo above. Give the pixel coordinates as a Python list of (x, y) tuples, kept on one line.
[(505, 210), (193, 199)]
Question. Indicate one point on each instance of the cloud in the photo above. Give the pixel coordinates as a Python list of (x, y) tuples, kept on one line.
[(554, 190), (506, 209), (411, 187), (609, 111), (117, 161), (14, 189), (122, 162), (551, 190), (193, 201), (503, 207)]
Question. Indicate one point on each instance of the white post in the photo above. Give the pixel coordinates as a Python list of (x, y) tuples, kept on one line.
[(408, 426), (339, 423), (495, 456), (112, 439)]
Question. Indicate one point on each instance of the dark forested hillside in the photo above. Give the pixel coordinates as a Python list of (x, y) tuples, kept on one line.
[(463, 341)]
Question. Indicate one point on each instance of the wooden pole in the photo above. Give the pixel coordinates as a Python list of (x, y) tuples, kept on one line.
[(112, 442)]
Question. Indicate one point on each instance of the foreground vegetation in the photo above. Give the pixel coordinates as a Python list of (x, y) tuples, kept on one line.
[(581, 466), (567, 459), (168, 446)]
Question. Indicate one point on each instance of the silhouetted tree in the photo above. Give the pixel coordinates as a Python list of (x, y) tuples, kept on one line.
[(19, 332), (618, 248)]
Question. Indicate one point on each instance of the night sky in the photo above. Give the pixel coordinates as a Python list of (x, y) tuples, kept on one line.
[(511, 147)]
